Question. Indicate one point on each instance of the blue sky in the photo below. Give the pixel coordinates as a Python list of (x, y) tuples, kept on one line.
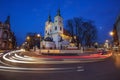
[(30, 15)]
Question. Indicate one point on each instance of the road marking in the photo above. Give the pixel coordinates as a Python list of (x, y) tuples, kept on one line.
[(80, 68)]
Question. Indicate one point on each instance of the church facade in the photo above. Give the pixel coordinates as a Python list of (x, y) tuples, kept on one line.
[(54, 34)]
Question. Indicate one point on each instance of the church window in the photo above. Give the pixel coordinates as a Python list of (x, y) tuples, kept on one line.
[(55, 27), (46, 31), (60, 28)]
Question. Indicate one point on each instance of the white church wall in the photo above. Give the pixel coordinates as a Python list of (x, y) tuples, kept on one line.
[(54, 29), (47, 44)]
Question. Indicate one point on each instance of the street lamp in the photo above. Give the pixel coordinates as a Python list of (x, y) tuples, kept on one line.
[(111, 33), (25, 42), (107, 41), (39, 36), (28, 41), (28, 38)]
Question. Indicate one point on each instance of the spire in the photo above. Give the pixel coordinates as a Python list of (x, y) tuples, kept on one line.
[(58, 12), (7, 20), (49, 18)]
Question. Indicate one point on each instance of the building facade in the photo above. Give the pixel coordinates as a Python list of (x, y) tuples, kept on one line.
[(7, 37), (116, 30), (55, 35)]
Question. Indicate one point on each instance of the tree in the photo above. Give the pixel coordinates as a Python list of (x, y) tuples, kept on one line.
[(85, 31), (90, 33), (71, 29), (78, 30)]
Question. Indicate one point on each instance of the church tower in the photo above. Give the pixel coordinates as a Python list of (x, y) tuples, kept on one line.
[(48, 27), (58, 23), (57, 29)]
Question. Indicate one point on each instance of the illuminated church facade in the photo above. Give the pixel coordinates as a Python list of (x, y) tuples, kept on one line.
[(55, 36)]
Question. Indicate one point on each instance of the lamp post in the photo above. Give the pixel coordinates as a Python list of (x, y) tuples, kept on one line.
[(111, 34), (28, 42), (38, 35)]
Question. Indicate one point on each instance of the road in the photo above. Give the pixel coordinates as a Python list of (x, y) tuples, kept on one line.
[(108, 69)]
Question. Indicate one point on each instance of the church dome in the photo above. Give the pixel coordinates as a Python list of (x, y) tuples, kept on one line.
[(48, 39)]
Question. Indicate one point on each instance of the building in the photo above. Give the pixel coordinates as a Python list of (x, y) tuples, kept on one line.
[(116, 31), (7, 37), (55, 35)]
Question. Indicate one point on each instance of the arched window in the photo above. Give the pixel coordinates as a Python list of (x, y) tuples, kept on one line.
[(55, 27), (50, 30), (60, 28)]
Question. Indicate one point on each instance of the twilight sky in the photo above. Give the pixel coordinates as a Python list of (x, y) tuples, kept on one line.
[(30, 15)]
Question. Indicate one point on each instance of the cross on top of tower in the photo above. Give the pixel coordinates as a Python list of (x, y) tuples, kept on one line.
[(58, 12), (49, 18)]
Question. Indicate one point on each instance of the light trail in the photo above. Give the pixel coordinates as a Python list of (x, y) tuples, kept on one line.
[(38, 70), (36, 60), (14, 57)]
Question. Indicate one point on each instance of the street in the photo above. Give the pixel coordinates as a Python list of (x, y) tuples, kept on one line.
[(60, 40), (109, 69)]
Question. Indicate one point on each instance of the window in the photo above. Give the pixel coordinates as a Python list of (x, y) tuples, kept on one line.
[(46, 31), (55, 27), (50, 30), (55, 20), (60, 28)]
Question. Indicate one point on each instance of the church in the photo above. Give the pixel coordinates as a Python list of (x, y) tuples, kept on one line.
[(55, 36)]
